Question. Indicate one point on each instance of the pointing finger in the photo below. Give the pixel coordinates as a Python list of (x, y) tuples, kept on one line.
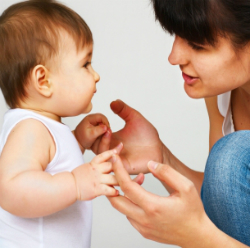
[(105, 142), (131, 189), (107, 154), (126, 207)]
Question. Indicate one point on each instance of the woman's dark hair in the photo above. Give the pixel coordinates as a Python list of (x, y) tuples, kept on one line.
[(202, 21)]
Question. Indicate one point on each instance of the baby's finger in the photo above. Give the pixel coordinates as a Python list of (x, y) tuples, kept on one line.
[(107, 190), (104, 167), (107, 154), (96, 119), (97, 131), (109, 179)]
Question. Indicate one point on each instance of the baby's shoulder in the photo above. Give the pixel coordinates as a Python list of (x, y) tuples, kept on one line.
[(31, 132), (31, 126), (29, 142)]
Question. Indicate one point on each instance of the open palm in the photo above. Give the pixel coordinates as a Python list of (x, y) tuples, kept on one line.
[(140, 139)]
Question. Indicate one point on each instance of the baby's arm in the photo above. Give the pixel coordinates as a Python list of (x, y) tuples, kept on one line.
[(26, 190), (94, 133)]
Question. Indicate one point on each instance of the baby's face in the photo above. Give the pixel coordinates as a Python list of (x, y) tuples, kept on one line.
[(74, 79)]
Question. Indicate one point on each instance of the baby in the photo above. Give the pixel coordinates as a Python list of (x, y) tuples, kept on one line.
[(45, 74)]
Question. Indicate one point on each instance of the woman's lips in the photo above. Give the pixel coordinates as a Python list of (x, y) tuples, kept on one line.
[(188, 79)]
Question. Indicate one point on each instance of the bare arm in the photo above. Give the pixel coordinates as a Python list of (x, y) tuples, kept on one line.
[(215, 133), (26, 190), (194, 176)]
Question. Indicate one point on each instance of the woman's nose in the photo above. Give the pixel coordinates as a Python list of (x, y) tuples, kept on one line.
[(179, 52)]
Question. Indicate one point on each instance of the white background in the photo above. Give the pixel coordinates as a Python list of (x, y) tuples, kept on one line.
[(131, 56)]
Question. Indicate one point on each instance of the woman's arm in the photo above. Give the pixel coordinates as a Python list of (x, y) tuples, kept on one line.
[(215, 133), (194, 176)]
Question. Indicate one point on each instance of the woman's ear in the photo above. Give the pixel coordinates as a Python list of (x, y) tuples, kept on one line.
[(41, 82)]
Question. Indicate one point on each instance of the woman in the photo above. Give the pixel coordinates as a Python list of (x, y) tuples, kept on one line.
[(212, 49)]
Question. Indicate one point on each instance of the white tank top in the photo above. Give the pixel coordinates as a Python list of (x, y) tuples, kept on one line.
[(70, 227), (224, 106)]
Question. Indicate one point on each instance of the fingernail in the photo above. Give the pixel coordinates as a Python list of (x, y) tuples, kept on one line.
[(107, 134), (152, 164), (119, 147), (113, 159), (104, 127)]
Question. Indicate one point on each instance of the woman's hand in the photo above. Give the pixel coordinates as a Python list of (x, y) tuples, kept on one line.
[(178, 219), (139, 137)]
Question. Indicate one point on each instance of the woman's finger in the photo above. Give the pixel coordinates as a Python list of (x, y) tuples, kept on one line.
[(139, 179), (107, 154), (126, 207), (122, 109), (95, 146), (131, 189), (146, 232), (170, 176), (104, 143)]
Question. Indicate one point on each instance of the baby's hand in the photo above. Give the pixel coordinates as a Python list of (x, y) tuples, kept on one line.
[(90, 130), (93, 179)]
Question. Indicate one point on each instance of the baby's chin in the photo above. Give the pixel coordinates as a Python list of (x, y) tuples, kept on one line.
[(87, 109)]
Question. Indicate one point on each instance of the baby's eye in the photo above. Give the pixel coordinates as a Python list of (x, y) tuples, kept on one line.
[(86, 64)]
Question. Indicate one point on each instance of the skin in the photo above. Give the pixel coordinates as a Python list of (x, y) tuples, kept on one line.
[(26, 190), (180, 219)]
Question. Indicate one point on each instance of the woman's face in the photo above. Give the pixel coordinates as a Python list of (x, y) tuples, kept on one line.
[(208, 71)]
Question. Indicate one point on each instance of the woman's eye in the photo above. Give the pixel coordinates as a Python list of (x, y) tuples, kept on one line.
[(195, 46)]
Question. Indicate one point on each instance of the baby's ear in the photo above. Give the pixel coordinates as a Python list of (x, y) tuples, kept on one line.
[(41, 81)]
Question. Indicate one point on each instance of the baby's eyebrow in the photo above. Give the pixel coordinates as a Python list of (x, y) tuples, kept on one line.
[(88, 55)]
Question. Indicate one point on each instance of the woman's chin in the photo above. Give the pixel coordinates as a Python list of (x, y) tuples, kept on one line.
[(192, 92)]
